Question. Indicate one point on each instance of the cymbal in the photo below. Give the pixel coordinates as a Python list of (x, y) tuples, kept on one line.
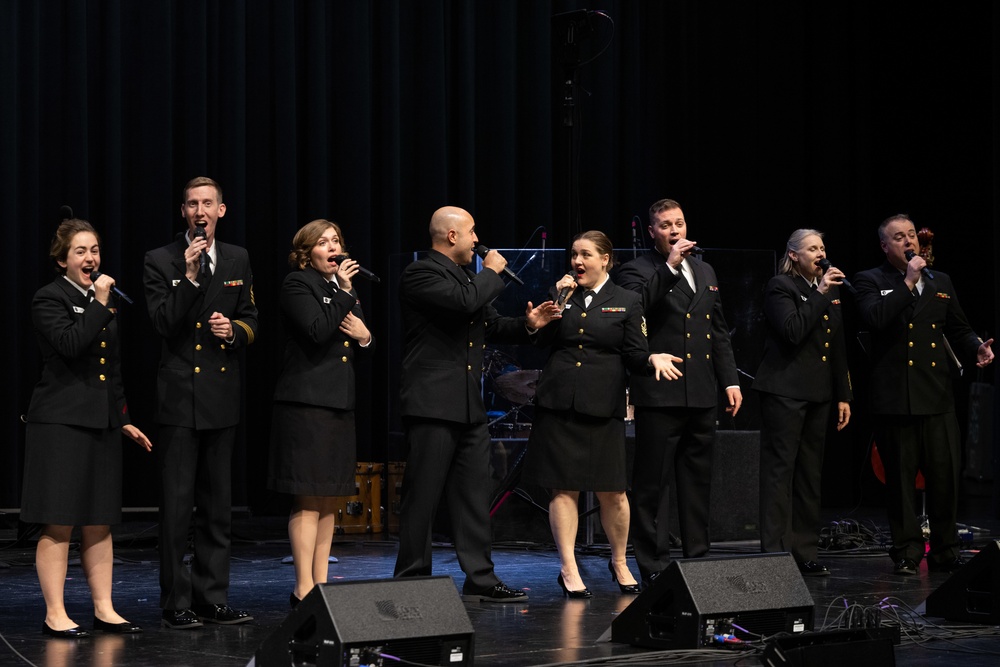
[(517, 386)]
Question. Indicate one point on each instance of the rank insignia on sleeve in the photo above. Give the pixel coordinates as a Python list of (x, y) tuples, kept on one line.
[(645, 335)]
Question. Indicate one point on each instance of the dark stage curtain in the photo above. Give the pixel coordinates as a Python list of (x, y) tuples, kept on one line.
[(759, 117)]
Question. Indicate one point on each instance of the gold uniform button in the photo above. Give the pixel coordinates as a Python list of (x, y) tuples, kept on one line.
[(688, 316), (933, 326), (578, 364), (708, 356), (708, 336), (708, 317), (347, 343), (687, 335), (933, 364), (910, 344), (344, 359), (470, 343), (580, 331), (468, 368), (583, 314), (222, 347), (933, 345), (911, 325), (104, 343), (823, 357), (102, 377), (826, 345), (197, 325), (222, 370), (826, 317), (688, 355), (580, 347), (910, 362), (828, 331), (197, 369), (198, 347), (103, 361)]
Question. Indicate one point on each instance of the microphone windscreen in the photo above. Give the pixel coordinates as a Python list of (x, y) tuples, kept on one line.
[(824, 264)]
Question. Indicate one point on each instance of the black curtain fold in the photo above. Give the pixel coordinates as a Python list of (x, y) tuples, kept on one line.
[(759, 118)]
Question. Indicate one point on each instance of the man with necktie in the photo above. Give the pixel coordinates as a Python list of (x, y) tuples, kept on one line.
[(911, 313), (675, 422)]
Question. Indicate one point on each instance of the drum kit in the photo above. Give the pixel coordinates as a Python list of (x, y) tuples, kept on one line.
[(510, 382)]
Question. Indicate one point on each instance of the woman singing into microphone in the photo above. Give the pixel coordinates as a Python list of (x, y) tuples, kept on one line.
[(803, 371), (313, 451), (73, 450)]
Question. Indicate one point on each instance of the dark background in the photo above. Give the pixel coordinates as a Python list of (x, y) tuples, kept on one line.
[(758, 117)]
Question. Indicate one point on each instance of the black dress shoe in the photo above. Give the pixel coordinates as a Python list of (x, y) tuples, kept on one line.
[(946, 566), (179, 619), (72, 633), (626, 589), (126, 628), (582, 594), (905, 566), (221, 614), (498, 593), (810, 568)]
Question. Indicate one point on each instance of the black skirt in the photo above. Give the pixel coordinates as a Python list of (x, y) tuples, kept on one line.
[(313, 451), (72, 475), (574, 452)]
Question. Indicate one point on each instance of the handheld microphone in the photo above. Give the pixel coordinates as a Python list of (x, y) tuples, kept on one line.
[(95, 274), (564, 293), (695, 250), (363, 272), (199, 233), (825, 265), (927, 272), (482, 251)]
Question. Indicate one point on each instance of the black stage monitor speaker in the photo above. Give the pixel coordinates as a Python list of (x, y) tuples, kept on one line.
[(694, 601), (972, 594), (351, 623)]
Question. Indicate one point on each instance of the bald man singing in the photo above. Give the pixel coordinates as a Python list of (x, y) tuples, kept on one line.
[(447, 318)]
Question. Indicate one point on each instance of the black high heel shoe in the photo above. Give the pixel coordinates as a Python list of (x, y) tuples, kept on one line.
[(574, 595), (626, 589)]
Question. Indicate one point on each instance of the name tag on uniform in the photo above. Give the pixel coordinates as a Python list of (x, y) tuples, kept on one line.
[(327, 299), (886, 291), (77, 309), (175, 283), (803, 297)]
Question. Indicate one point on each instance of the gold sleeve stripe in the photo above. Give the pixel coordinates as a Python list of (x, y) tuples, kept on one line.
[(246, 327)]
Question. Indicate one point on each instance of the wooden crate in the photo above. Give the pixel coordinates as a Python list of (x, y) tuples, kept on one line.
[(362, 512)]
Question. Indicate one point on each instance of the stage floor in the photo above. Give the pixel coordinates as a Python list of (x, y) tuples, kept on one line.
[(548, 629)]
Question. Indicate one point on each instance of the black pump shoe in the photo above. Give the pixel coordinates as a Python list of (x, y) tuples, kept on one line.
[(126, 628), (71, 633), (582, 594), (626, 589)]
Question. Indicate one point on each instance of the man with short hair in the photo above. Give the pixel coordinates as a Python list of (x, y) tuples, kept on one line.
[(675, 422), (912, 313), (199, 292)]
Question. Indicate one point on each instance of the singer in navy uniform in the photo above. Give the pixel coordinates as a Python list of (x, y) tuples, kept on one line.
[(313, 447), (911, 313), (675, 422), (802, 373), (447, 317), (578, 438), (73, 457), (204, 317)]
